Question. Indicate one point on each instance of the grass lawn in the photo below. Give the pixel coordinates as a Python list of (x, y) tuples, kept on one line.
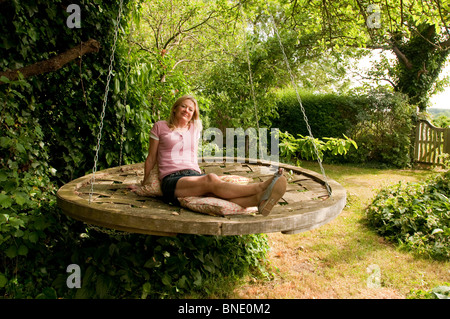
[(344, 258)]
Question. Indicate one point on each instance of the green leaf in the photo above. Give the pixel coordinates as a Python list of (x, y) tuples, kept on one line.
[(3, 280), (5, 142), (20, 148), (166, 280), (3, 176), (18, 233), (33, 237), (47, 293), (21, 198), (102, 286), (11, 251), (4, 79), (198, 278), (23, 250), (146, 289), (5, 200)]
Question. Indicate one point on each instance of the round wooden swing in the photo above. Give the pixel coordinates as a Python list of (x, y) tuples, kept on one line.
[(305, 205), (104, 199)]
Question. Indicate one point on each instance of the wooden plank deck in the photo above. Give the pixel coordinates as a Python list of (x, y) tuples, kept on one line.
[(305, 205)]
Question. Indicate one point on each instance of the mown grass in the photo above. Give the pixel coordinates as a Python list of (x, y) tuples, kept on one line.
[(338, 260)]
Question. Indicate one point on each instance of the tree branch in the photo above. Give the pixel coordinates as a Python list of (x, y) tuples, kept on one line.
[(378, 79), (188, 29), (54, 63), (401, 57)]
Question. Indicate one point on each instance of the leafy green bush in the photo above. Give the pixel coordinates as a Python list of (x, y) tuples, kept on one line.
[(439, 292), (310, 148), (139, 266), (121, 265), (441, 121), (384, 129), (415, 215), (380, 122), (329, 115)]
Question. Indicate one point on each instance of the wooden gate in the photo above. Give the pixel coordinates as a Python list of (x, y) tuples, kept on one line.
[(431, 142)]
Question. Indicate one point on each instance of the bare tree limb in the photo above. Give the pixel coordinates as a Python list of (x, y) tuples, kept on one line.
[(401, 57), (180, 31), (54, 63)]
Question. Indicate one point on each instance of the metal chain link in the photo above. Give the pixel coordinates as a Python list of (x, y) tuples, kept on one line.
[(106, 231), (252, 86), (122, 125), (316, 151), (105, 99)]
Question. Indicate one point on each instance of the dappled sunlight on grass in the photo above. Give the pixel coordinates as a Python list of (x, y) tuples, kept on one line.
[(336, 260)]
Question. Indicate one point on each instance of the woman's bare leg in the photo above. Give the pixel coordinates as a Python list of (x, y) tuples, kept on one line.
[(212, 184)]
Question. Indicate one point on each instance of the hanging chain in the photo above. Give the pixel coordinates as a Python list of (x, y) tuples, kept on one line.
[(251, 82), (122, 125), (124, 111), (252, 87), (319, 160), (105, 99)]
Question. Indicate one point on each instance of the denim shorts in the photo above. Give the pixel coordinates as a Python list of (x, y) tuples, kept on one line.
[(169, 183)]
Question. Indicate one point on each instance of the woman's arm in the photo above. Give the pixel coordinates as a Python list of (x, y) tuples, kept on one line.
[(151, 158)]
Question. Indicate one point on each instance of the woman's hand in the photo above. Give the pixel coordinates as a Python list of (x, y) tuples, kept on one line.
[(133, 187)]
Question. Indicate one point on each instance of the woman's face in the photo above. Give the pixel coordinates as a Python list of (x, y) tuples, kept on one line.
[(185, 111)]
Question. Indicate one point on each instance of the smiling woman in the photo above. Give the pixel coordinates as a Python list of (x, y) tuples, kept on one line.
[(174, 146)]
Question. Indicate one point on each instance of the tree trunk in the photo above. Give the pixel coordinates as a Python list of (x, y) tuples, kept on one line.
[(421, 60)]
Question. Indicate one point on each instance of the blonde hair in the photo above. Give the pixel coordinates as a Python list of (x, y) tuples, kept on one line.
[(195, 117)]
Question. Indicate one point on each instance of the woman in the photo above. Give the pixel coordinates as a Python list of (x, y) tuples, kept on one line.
[(174, 146)]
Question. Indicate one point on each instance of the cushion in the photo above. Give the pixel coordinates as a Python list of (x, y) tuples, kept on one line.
[(151, 186), (214, 206)]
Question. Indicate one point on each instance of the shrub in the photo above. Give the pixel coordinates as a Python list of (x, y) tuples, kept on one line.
[(119, 265), (310, 148), (384, 129), (415, 215), (439, 292), (328, 115), (380, 122), (140, 266), (441, 121)]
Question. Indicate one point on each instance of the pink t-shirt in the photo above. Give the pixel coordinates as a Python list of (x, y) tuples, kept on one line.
[(177, 150)]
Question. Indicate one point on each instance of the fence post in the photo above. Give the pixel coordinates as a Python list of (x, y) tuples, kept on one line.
[(447, 140), (417, 141)]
